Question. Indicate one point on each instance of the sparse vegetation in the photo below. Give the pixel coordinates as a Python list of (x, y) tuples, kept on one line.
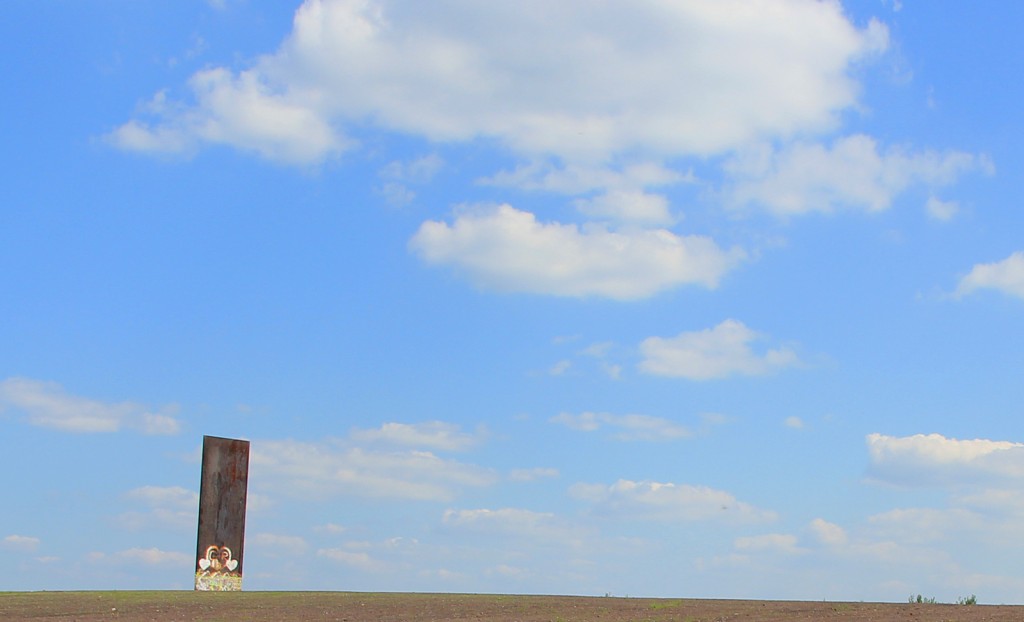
[(921, 600)]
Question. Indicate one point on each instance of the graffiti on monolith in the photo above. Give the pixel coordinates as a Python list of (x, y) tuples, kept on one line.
[(222, 493)]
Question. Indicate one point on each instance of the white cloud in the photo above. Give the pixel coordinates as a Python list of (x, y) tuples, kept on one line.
[(687, 77), (420, 170), (598, 350), (809, 177), (432, 434), (358, 560), (15, 542), (396, 194), (332, 528), (718, 352), (941, 210), (560, 367), (667, 501), (321, 470), (932, 459), (167, 506), (506, 249), (1006, 276), (784, 544), (399, 174), (288, 544), (529, 475), (829, 534), (634, 206), (629, 427), (512, 522), (575, 178), (612, 371), (794, 422), (927, 526), (47, 405), (241, 110)]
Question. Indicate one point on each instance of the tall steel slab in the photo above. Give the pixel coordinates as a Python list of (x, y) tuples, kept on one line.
[(222, 492)]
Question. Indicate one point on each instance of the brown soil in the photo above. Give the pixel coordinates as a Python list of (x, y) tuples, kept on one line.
[(357, 607)]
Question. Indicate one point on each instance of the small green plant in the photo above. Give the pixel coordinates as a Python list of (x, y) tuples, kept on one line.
[(967, 600), (921, 600), (666, 604)]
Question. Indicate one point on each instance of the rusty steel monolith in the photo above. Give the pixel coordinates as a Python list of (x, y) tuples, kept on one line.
[(222, 514)]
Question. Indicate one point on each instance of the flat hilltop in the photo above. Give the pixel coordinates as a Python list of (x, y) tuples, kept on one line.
[(138, 606)]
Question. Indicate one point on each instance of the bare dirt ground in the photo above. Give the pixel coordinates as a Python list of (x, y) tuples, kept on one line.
[(358, 607)]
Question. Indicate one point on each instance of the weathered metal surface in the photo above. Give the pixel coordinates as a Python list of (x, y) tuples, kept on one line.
[(222, 492)]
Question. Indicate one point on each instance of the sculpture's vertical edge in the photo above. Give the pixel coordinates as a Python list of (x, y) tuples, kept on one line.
[(222, 492)]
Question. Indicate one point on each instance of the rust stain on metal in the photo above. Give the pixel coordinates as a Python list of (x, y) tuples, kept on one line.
[(222, 493)]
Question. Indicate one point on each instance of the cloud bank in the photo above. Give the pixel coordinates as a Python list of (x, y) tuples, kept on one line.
[(511, 73)]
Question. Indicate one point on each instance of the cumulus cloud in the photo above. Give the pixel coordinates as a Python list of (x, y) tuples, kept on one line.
[(560, 367), (934, 460), (1005, 276), (529, 475), (436, 435), (359, 560), (330, 468), (785, 544), (331, 528), (509, 250), (634, 206), (829, 534), (458, 70), (15, 542), (419, 170), (995, 501), (46, 404), (283, 543), (512, 522), (627, 427), (922, 526), (244, 111), (941, 210), (172, 507), (852, 173), (398, 176), (166, 506), (718, 352), (667, 502), (575, 178)]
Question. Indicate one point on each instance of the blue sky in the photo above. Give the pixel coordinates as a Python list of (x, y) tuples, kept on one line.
[(683, 299)]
